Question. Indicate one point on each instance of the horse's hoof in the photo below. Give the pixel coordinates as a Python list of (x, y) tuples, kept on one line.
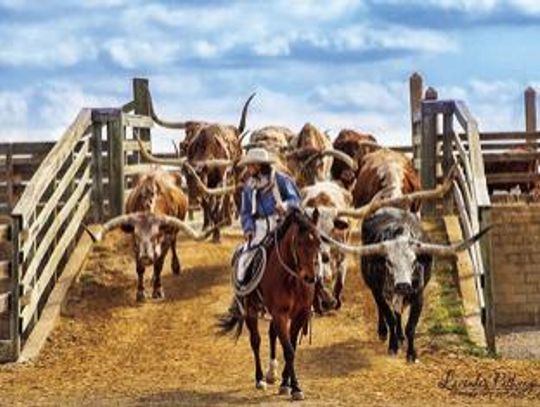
[(411, 358), (284, 391), (392, 352), (158, 294), (297, 395), (271, 374), (176, 270), (140, 296), (260, 385)]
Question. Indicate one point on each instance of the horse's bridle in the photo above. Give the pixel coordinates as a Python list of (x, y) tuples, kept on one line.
[(287, 268)]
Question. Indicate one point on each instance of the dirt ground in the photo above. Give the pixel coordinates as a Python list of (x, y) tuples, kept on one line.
[(107, 350)]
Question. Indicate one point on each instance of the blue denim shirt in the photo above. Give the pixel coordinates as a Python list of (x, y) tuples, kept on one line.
[(266, 203)]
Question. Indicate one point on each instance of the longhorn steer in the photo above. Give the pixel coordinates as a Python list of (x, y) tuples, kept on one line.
[(155, 209), (355, 145), (399, 269), (387, 174), (328, 198)]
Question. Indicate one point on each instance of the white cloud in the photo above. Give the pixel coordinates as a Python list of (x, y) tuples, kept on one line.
[(362, 95), (13, 108), (132, 54)]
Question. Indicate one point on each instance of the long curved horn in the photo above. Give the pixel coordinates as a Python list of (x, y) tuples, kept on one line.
[(214, 163), (377, 203), (362, 250), (150, 158), (448, 250), (242, 124), (163, 123), (111, 224), (243, 135), (340, 155), (209, 191), (184, 227)]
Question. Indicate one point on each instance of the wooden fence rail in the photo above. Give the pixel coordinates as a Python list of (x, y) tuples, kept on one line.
[(470, 193)]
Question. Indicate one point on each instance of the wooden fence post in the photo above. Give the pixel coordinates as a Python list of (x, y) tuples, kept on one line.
[(141, 97), (488, 283), (9, 178), (447, 156), (415, 93), (530, 111), (530, 123), (14, 326), (115, 133), (97, 163), (428, 152)]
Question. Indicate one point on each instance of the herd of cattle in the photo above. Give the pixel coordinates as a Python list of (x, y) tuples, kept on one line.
[(353, 177)]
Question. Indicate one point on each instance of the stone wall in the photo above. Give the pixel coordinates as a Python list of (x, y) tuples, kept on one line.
[(516, 264)]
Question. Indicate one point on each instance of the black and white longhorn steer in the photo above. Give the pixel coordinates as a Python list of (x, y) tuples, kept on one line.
[(398, 268)]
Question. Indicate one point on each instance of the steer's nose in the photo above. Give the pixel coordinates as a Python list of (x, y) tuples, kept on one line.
[(146, 261), (403, 288), (325, 257)]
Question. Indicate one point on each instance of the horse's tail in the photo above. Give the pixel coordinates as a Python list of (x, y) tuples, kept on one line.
[(229, 321)]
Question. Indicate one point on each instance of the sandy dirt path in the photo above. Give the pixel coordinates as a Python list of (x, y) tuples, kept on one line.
[(107, 350)]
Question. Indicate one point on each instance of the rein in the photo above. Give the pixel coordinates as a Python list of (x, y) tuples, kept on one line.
[(287, 268)]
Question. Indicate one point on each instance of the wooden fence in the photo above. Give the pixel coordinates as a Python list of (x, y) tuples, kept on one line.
[(49, 191)]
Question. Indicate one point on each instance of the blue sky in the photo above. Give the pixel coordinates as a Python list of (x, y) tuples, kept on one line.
[(337, 64)]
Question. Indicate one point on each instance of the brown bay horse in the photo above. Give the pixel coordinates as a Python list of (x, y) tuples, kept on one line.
[(286, 292)]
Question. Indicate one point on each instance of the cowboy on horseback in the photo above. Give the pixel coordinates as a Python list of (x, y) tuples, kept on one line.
[(267, 195)]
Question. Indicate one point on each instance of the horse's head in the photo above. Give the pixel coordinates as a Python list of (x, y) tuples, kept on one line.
[(302, 238)]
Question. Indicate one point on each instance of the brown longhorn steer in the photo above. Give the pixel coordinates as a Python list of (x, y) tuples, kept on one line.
[(155, 210), (387, 174), (355, 145)]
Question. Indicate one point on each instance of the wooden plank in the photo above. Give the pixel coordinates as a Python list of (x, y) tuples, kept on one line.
[(4, 302), (512, 177), (416, 89), (42, 147), (133, 145), (9, 177), (4, 232), (53, 229), (128, 107), (4, 269), (467, 287), (428, 150), (137, 169), (54, 259), (115, 134), (462, 113), (52, 202), (510, 156), (509, 146), (97, 172), (53, 307), (52, 164), (137, 120), (530, 111), (486, 247)]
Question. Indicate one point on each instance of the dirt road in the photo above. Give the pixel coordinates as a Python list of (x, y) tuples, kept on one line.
[(107, 350)]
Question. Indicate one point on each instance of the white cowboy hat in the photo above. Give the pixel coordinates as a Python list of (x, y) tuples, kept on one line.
[(257, 155)]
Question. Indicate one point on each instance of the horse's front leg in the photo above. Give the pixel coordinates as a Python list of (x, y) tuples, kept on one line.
[(175, 263), (271, 373), (289, 381), (255, 340)]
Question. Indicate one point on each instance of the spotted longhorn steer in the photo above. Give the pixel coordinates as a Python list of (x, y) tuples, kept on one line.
[(397, 268), (307, 156), (328, 198), (387, 174), (155, 210)]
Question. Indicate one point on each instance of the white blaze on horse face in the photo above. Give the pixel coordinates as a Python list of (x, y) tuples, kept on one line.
[(400, 259)]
